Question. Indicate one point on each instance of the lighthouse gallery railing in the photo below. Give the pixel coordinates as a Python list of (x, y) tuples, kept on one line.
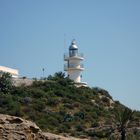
[(70, 66), (80, 55)]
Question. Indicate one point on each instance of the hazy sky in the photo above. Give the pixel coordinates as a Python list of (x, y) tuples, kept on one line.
[(106, 31)]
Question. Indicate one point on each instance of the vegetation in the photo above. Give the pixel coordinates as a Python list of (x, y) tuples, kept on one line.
[(57, 106), (124, 117), (5, 82)]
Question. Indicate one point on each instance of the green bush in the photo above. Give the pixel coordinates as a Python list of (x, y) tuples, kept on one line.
[(5, 82), (79, 127)]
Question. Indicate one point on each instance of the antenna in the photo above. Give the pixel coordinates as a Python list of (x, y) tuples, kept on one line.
[(43, 69)]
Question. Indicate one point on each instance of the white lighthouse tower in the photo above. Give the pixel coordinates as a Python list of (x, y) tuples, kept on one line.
[(73, 64)]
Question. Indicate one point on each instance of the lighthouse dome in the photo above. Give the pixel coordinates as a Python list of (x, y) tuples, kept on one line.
[(73, 46)]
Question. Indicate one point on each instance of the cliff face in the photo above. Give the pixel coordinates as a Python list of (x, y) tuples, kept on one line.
[(15, 128)]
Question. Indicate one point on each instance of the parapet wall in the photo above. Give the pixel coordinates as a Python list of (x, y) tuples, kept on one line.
[(22, 81)]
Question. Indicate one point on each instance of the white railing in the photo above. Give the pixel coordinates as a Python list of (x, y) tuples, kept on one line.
[(71, 66), (80, 55)]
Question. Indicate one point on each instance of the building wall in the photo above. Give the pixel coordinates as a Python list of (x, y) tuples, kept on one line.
[(75, 75), (13, 72), (21, 81), (74, 63)]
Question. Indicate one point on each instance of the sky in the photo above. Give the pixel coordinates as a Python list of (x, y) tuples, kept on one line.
[(35, 34)]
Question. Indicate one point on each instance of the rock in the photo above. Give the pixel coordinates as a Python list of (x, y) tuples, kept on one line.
[(51, 136), (15, 128)]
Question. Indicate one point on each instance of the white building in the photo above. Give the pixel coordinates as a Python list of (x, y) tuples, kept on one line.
[(73, 64), (13, 72)]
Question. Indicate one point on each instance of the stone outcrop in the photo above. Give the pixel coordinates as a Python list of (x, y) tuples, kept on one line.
[(15, 128)]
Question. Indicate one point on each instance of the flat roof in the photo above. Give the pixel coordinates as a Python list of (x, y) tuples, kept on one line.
[(9, 70)]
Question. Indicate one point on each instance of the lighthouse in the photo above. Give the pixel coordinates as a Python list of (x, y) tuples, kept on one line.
[(73, 65)]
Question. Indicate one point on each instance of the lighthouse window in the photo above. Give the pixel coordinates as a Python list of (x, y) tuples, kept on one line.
[(73, 52)]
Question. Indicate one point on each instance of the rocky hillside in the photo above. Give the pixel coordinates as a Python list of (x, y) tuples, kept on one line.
[(15, 128), (59, 107)]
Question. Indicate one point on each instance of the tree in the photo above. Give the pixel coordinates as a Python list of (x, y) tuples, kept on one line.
[(61, 79), (124, 117), (57, 76), (5, 82)]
